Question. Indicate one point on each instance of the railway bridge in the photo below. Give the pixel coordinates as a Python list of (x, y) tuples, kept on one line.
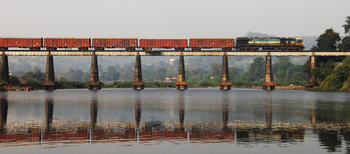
[(94, 83)]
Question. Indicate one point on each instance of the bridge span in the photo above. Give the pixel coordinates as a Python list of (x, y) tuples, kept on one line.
[(172, 53), (94, 83)]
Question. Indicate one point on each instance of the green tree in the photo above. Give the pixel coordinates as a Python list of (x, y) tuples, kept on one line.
[(324, 65), (35, 75), (345, 44), (323, 70), (161, 74), (110, 74), (347, 25), (14, 81), (215, 69), (338, 76), (256, 70), (85, 77), (149, 73), (234, 74), (73, 75), (328, 40)]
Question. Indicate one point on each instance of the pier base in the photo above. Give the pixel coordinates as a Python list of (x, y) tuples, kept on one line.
[(49, 85), (138, 84), (94, 85), (227, 84), (269, 85), (180, 84)]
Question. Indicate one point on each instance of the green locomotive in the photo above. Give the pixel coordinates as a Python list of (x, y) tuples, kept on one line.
[(269, 43)]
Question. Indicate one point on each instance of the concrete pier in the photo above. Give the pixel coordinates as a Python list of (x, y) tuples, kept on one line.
[(49, 83), (181, 80), (225, 78), (4, 68), (311, 82), (268, 82), (94, 83), (138, 74)]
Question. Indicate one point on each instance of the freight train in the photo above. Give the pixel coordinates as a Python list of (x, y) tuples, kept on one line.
[(130, 44)]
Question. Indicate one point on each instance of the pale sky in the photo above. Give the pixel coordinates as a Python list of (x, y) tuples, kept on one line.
[(170, 18)]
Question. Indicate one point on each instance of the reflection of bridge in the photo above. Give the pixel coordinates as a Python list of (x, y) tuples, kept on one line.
[(94, 83), (139, 131)]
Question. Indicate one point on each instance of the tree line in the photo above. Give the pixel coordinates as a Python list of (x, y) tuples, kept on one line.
[(332, 73)]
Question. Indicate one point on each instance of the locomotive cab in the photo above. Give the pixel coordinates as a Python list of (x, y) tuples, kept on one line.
[(299, 42)]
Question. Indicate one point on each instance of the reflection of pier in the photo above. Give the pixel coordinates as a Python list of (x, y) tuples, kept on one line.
[(3, 112), (268, 132)]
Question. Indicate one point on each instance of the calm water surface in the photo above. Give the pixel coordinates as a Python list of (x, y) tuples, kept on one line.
[(171, 121)]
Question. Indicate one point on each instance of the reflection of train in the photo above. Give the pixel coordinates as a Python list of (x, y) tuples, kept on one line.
[(196, 44)]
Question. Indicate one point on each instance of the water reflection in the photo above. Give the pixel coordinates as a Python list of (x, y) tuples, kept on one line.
[(182, 111), (48, 112), (224, 117), (3, 112), (93, 111)]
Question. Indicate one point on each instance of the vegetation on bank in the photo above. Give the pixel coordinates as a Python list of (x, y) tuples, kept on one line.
[(332, 73)]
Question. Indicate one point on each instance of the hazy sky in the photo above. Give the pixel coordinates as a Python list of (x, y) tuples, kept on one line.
[(170, 18)]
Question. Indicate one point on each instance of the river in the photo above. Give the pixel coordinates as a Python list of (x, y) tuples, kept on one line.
[(204, 120)]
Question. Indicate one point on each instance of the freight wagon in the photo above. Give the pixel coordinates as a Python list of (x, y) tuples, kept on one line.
[(178, 44), (199, 43), (269, 43), (101, 43), (31, 43), (53, 43)]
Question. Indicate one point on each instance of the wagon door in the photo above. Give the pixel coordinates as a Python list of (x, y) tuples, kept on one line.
[(30, 42), (103, 43), (79, 43), (54, 42), (126, 43), (223, 43), (6, 42)]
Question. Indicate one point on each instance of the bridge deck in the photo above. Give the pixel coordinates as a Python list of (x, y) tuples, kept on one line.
[(173, 53)]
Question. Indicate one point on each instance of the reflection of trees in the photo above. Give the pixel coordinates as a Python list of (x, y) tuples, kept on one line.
[(346, 136), (267, 135), (330, 139), (332, 112)]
